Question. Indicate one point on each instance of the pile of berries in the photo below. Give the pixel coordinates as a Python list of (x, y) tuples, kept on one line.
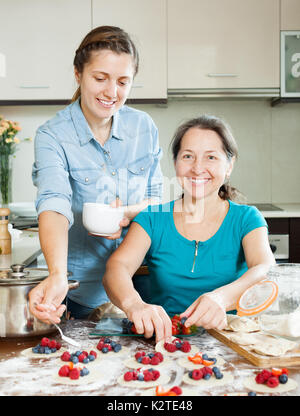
[(272, 377), (128, 327), (174, 391), (203, 359), (142, 375), (72, 372), (177, 344), (46, 346), (106, 344), (178, 327), (79, 357), (205, 373), (151, 358)]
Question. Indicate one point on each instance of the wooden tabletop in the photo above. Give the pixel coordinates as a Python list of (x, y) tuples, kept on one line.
[(23, 376)]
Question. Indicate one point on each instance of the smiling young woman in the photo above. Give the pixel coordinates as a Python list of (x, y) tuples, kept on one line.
[(95, 150)]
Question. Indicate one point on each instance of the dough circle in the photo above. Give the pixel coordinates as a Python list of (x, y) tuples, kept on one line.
[(251, 384), (132, 363), (189, 365), (212, 382), (186, 391), (159, 347), (101, 355), (90, 378), (28, 353), (241, 324), (163, 379)]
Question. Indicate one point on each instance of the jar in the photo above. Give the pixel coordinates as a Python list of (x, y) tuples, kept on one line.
[(275, 301)]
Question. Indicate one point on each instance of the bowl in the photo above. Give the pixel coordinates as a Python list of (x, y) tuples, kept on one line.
[(23, 209), (101, 219)]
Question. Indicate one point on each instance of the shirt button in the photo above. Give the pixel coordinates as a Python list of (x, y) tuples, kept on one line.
[(86, 179), (113, 173), (142, 169)]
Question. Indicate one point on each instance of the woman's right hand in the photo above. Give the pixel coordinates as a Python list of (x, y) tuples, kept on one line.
[(148, 319), (46, 298)]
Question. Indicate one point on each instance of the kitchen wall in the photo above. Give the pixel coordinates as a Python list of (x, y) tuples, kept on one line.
[(268, 168)]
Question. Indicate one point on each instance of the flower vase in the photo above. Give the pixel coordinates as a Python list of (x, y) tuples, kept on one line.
[(6, 179)]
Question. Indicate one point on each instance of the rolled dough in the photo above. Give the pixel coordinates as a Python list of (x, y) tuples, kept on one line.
[(241, 324), (90, 378), (123, 351), (159, 347), (251, 384), (132, 363), (212, 382), (136, 384), (28, 353)]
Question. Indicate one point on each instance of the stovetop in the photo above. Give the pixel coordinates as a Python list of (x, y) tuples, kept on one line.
[(267, 207)]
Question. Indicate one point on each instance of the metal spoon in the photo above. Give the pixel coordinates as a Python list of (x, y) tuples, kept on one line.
[(65, 338)]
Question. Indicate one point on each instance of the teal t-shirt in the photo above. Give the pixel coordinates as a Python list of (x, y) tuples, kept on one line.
[(177, 275)]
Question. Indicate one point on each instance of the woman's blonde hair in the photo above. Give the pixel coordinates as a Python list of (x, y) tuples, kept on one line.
[(104, 37)]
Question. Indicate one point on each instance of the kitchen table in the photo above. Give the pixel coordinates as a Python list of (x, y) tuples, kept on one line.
[(22, 376)]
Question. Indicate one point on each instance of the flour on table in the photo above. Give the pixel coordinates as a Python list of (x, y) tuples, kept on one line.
[(163, 379), (28, 353), (241, 324), (212, 382), (189, 365), (251, 384), (159, 347), (132, 363)]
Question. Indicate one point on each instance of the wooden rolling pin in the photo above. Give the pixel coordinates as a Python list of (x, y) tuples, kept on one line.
[(5, 238)]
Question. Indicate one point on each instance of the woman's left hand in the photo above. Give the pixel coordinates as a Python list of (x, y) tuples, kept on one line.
[(207, 311)]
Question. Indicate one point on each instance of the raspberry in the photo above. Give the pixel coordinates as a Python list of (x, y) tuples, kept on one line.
[(146, 360), (176, 340), (176, 390), (185, 347), (260, 378), (159, 356), (108, 346), (58, 346), (148, 376), (197, 374), (155, 374), (64, 371), (139, 354), (45, 342), (272, 382), (100, 345), (74, 373), (266, 374), (135, 375), (170, 347), (92, 352), (207, 370), (66, 356), (81, 357), (155, 361), (85, 353), (128, 376), (52, 344)]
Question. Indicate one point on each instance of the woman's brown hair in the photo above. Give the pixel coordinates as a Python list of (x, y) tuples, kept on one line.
[(208, 122), (104, 37)]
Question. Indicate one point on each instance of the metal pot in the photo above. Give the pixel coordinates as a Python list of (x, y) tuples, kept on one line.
[(15, 317)]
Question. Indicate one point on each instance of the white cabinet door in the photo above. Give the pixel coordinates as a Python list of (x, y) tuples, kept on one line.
[(290, 15), (38, 39), (223, 44), (146, 23)]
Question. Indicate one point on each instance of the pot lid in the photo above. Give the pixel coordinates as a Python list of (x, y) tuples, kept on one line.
[(18, 274)]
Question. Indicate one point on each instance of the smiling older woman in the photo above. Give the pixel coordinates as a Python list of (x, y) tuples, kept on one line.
[(203, 250)]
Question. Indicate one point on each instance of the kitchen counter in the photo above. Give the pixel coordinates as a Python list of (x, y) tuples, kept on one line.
[(24, 250), (22, 376), (289, 211)]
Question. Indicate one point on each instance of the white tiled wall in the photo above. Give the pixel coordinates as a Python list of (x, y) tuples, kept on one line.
[(268, 168)]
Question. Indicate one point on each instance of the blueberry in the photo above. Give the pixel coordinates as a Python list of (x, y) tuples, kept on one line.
[(75, 360), (125, 321), (178, 345), (117, 348), (47, 350), (77, 353), (251, 393), (107, 341), (151, 355), (183, 320), (190, 374), (86, 360), (150, 369), (85, 371), (36, 350), (113, 343), (215, 369), (218, 376), (91, 357), (207, 376), (42, 350), (53, 350), (212, 359), (104, 350), (139, 360), (141, 377), (283, 378), (125, 331), (205, 357)]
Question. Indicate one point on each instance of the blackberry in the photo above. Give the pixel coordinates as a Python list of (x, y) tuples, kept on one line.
[(251, 393)]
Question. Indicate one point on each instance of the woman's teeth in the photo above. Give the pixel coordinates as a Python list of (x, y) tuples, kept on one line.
[(106, 103)]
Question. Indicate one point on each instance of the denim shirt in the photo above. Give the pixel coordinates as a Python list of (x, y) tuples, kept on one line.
[(71, 168)]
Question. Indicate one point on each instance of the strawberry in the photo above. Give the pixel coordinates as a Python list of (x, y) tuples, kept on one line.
[(176, 390), (186, 331)]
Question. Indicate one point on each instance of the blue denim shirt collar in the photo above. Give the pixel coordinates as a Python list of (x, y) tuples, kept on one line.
[(83, 129)]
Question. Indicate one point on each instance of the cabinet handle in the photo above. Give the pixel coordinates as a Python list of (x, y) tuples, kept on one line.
[(222, 75), (34, 86)]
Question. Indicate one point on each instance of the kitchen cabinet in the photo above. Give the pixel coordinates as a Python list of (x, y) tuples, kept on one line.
[(145, 21), (235, 46), (290, 14), (38, 39)]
